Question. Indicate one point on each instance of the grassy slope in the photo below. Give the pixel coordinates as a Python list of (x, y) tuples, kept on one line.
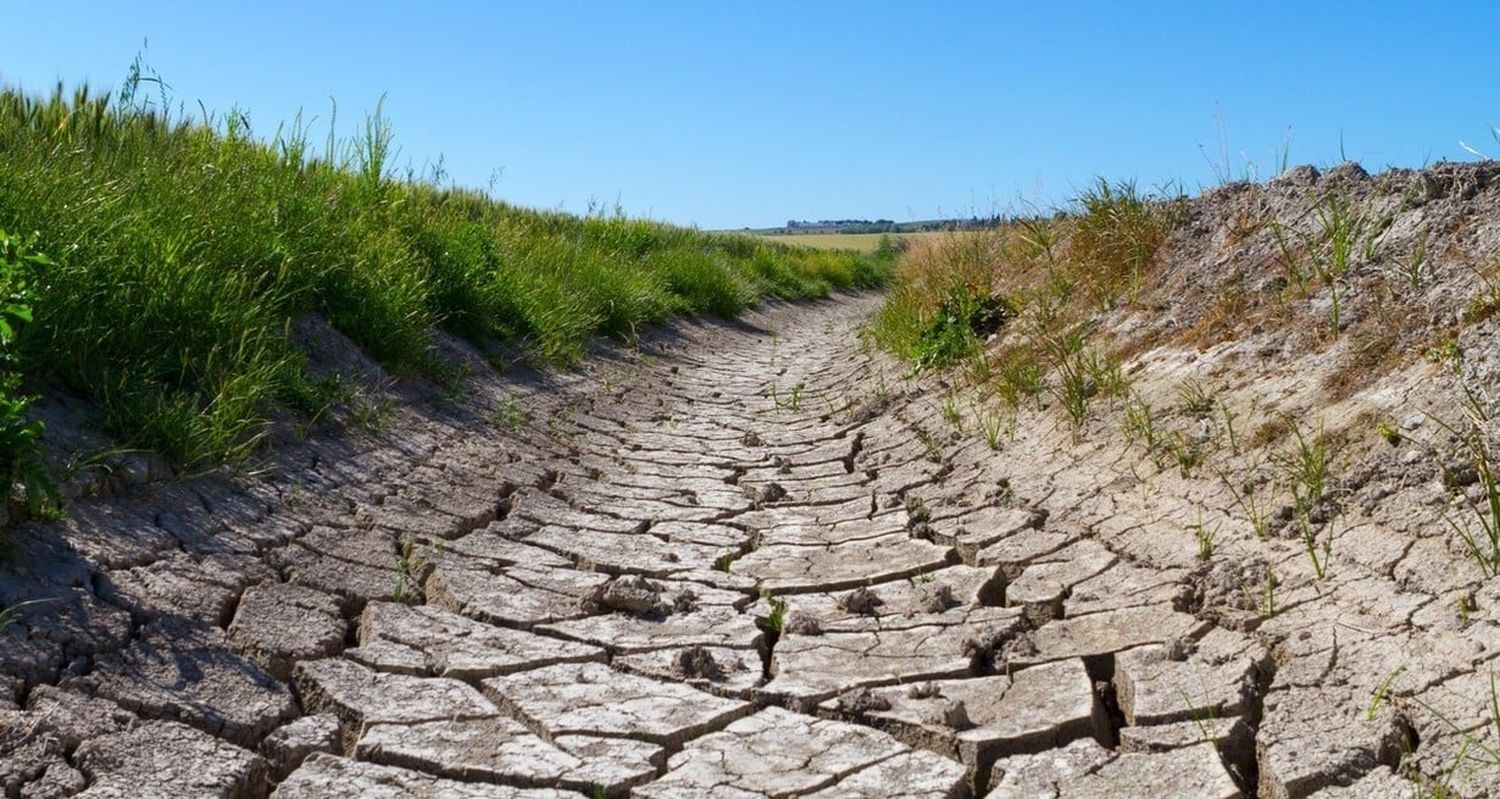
[(1045, 279), (184, 248)]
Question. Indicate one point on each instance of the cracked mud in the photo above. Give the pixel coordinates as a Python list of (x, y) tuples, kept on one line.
[(719, 566)]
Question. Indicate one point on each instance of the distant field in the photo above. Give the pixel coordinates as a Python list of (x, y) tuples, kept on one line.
[(859, 242)]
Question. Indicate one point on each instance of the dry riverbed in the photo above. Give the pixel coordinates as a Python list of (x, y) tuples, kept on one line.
[(746, 559)]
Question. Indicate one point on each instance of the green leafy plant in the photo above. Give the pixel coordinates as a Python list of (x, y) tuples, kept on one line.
[(1389, 433), (964, 317), (775, 621), (28, 484)]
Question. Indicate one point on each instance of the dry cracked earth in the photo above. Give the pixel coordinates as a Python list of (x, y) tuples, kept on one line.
[(733, 562)]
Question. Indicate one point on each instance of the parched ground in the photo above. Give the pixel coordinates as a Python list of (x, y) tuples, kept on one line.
[(746, 559)]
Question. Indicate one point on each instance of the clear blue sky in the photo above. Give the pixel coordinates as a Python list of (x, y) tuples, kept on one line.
[(746, 114)]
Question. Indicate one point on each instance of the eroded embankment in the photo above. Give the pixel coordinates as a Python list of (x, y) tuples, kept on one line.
[(748, 559)]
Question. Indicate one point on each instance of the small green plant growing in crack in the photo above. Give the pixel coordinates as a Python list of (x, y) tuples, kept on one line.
[(933, 449), (1139, 425), (1193, 399), (1382, 690), (795, 400), (1476, 745), (407, 591), (1186, 450), (1411, 270), (373, 415), (1306, 470), (791, 400), (1262, 596), (509, 415), (1205, 536), (1229, 417), (1480, 529), (994, 425), (724, 563), (775, 621), (951, 414), (1252, 503), (1388, 433), (1205, 717), (1319, 549)]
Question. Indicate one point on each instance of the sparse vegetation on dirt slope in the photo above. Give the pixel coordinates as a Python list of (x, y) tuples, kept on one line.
[(1279, 398), (184, 251)]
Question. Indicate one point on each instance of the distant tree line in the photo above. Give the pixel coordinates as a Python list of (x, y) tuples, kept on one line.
[(890, 226)]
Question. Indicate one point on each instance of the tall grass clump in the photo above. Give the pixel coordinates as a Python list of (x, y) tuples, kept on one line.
[(1042, 278), (185, 246), (1113, 239), (944, 303)]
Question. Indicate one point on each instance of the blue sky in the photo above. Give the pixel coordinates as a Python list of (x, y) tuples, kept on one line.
[(729, 115)]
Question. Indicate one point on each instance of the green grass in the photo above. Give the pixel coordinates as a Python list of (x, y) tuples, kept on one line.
[(944, 303), (1035, 286), (184, 247), (28, 488)]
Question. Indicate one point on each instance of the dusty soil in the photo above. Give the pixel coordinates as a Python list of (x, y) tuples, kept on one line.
[(749, 559)]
